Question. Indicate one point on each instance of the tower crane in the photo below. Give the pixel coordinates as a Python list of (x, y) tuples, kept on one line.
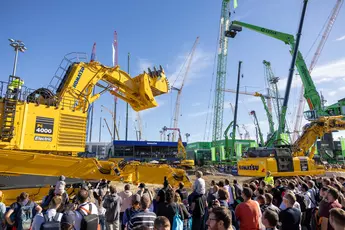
[(246, 133), (273, 92), (327, 31), (218, 108), (179, 90)]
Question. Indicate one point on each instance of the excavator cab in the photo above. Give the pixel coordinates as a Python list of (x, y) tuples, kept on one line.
[(310, 115), (233, 30)]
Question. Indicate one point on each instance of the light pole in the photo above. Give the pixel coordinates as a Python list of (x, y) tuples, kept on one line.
[(18, 46)]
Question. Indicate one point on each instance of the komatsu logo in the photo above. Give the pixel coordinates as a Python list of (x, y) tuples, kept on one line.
[(75, 83), (249, 167)]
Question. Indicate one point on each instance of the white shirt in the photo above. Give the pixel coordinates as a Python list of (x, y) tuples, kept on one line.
[(199, 186), (79, 217), (39, 218), (231, 197)]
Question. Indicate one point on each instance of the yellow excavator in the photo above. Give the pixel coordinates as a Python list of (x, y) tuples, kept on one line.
[(294, 160), (183, 163), (43, 130)]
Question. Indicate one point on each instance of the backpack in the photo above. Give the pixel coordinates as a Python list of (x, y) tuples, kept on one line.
[(89, 221), (51, 224), (47, 201), (24, 216), (302, 202), (177, 221)]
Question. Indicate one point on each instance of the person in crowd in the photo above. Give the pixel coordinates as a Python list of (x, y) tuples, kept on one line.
[(169, 208), (277, 193), (263, 185), (60, 185), (84, 207), (269, 178), (182, 191), (126, 197), (270, 206), (161, 223), (270, 219), (16, 220), (144, 217), (199, 187), (332, 199), (99, 197), (2, 213), (223, 197), (68, 220), (238, 190), (248, 212), (131, 211), (51, 213), (210, 190), (112, 204), (212, 196), (262, 203), (290, 217), (198, 209), (183, 208), (337, 218), (219, 219), (231, 191)]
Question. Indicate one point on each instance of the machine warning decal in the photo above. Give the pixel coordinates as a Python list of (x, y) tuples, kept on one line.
[(39, 138), (44, 125)]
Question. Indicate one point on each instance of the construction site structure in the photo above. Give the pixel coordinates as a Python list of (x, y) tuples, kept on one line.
[(218, 108), (49, 125), (179, 90), (325, 35)]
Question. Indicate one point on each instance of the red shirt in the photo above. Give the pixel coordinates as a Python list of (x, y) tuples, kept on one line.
[(247, 213), (324, 212)]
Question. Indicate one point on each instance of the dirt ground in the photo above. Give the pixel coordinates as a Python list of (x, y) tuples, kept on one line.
[(207, 178)]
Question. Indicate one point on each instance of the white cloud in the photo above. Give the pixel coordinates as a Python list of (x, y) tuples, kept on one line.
[(198, 114), (340, 38), (296, 82), (330, 71), (201, 61), (143, 64), (196, 104), (332, 93)]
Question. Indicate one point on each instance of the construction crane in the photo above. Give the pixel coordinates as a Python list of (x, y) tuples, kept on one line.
[(246, 133), (139, 132), (256, 94), (113, 116), (262, 97), (231, 123), (259, 136), (179, 90), (218, 108), (273, 92), (327, 31)]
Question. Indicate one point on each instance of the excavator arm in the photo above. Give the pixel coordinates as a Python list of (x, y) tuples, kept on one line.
[(310, 92), (315, 130), (139, 92)]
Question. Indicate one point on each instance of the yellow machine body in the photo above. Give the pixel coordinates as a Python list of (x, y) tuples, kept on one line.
[(42, 132), (297, 160)]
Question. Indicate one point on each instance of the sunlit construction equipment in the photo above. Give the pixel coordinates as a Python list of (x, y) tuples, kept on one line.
[(49, 125)]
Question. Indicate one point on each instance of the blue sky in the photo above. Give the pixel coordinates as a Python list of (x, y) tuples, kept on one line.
[(162, 33)]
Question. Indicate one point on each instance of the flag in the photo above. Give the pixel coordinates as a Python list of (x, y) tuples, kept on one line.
[(235, 4)]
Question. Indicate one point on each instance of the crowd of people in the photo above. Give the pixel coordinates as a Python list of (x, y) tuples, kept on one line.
[(288, 204)]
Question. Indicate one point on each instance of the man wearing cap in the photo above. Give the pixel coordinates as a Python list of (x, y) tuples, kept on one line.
[(131, 211)]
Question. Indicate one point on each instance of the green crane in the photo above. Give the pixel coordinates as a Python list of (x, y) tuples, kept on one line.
[(221, 73), (258, 130), (310, 93)]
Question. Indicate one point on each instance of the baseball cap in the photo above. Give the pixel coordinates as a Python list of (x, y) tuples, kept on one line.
[(135, 198), (141, 185)]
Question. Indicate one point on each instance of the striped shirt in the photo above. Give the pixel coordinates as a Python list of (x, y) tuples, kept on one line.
[(145, 218)]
